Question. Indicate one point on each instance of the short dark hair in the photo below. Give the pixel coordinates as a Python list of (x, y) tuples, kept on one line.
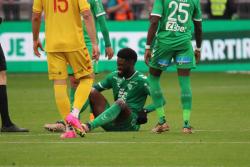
[(127, 54)]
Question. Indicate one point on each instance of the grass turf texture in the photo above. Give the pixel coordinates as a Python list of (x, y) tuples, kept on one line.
[(221, 113)]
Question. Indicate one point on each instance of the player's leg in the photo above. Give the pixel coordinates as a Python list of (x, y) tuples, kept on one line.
[(60, 126), (186, 96), (98, 103), (3, 92), (57, 65), (80, 61), (74, 82), (57, 68), (7, 124), (73, 85), (118, 112), (158, 99), (158, 63), (185, 62)]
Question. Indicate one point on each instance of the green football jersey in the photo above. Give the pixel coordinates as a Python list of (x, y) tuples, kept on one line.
[(133, 90), (97, 10), (176, 20)]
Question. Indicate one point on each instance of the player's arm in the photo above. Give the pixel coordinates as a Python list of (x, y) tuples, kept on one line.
[(105, 83), (197, 20), (90, 26), (198, 39), (36, 22), (154, 21), (105, 33)]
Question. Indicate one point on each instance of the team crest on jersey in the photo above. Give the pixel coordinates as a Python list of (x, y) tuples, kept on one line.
[(130, 86)]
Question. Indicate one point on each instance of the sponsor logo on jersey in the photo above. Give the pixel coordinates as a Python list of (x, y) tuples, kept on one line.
[(183, 60), (163, 63), (173, 26)]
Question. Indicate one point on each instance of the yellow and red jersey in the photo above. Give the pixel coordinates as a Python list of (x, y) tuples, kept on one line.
[(63, 25)]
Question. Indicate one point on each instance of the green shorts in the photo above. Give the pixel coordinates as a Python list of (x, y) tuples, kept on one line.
[(127, 125), (163, 55)]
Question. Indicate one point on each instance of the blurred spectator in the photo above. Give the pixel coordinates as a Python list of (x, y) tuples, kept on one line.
[(11, 10), (120, 10), (109, 5), (243, 9), (138, 6), (221, 9)]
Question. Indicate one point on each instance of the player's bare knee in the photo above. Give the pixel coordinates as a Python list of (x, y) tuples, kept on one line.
[(121, 103), (90, 76), (60, 82), (73, 82), (93, 94)]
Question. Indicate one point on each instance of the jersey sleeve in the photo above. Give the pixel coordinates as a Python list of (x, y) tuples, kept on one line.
[(83, 5), (104, 84), (104, 29), (157, 8), (37, 6), (197, 15), (98, 8), (145, 84)]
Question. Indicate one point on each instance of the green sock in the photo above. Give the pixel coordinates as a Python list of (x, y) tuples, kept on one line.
[(186, 98), (161, 115), (86, 104), (186, 118), (95, 66), (72, 96), (157, 97), (107, 116)]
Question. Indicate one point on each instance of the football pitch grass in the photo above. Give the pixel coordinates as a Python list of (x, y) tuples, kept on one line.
[(220, 117)]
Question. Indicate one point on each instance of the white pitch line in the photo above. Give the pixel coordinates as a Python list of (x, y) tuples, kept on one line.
[(100, 133), (116, 165), (124, 142)]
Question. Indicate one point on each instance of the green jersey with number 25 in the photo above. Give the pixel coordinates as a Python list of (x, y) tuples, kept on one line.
[(176, 20)]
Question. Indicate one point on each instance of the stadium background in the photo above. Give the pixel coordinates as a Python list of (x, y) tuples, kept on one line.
[(220, 114), (226, 44)]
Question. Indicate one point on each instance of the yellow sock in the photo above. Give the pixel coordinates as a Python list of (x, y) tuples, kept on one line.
[(82, 92), (62, 100)]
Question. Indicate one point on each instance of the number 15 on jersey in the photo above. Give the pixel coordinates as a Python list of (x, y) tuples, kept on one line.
[(61, 6)]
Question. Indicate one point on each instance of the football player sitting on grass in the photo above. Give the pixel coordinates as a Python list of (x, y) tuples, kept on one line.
[(130, 91)]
